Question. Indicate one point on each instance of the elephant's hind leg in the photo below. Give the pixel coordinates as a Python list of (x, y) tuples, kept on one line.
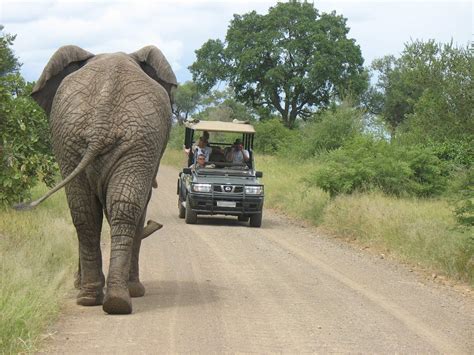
[(127, 194), (86, 212), (135, 286)]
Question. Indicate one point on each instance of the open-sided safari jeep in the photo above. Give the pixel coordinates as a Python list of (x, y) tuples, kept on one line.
[(223, 186)]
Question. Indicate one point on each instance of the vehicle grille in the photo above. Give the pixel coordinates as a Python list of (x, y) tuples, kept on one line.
[(229, 189)]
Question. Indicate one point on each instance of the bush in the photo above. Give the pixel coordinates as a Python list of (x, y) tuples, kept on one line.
[(367, 164), (176, 140), (463, 197), (328, 131), (25, 150), (459, 153), (272, 136)]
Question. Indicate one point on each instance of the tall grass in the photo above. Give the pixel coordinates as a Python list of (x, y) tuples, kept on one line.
[(287, 191), (38, 253), (415, 230), (174, 157)]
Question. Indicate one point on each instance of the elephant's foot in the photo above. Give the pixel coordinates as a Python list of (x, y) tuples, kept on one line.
[(136, 288), (117, 301), (90, 297)]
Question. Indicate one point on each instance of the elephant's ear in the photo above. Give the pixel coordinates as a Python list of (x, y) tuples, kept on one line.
[(64, 61), (154, 64)]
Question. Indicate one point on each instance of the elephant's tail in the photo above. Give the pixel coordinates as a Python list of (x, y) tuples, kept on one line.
[(88, 157)]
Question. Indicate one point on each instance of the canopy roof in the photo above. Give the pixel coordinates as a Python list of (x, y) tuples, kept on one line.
[(219, 126)]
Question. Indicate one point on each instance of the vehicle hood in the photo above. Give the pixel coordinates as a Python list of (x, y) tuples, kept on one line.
[(223, 180)]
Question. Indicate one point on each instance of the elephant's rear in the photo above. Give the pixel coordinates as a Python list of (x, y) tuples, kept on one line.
[(118, 111)]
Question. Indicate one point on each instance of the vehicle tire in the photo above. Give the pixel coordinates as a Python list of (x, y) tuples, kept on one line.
[(256, 220), (190, 215), (243, 218), (181, 209)]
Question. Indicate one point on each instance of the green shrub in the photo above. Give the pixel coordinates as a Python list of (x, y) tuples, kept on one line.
[(272, 136), (176, 140), (25, 152), (457, 152), (367, 164), (463, 197), (332, 129)]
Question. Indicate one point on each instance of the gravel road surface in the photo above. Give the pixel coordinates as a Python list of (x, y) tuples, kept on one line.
[(221, 286)]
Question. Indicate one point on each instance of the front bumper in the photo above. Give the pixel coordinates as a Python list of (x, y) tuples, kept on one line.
[(207, 203)]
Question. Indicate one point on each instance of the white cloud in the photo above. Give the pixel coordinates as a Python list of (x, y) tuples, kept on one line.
[(180, 27)]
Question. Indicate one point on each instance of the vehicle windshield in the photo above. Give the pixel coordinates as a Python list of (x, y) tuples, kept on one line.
[(223, 151)]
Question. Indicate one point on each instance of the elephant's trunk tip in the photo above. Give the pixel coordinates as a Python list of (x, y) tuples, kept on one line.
[(151, 227)]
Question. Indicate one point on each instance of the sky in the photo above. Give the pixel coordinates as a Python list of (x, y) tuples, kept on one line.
[(179, 27)]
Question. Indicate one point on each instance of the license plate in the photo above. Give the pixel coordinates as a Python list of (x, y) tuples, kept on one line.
[(226, 204)]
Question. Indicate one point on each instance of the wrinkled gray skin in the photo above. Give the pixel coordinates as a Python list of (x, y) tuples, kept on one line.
[(110, 116)]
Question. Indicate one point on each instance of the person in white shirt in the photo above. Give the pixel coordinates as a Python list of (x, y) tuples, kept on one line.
[(238, 155), (203, 148)]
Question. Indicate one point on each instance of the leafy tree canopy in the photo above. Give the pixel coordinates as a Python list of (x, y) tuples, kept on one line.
[(221, 105), (25, 152), (8, 62), (427, 91), (292, 60), (186, 100)]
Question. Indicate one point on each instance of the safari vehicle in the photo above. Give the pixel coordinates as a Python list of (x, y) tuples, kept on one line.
[(221, 187)]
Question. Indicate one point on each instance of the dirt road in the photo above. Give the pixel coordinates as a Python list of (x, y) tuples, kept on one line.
[(221, 286)]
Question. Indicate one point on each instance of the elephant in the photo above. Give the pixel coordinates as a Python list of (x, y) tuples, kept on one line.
[(110, 119)]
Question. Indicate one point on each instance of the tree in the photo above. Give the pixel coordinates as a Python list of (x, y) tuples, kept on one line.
[(25, 152), (391, 97), (186, 100), (8, 62), (221, 105), (293, 60), (427, 90)]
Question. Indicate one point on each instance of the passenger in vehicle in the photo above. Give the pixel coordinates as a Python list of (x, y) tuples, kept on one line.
[(205, 135), (201, 163), (237, 154), (217, 155), (203, 148)]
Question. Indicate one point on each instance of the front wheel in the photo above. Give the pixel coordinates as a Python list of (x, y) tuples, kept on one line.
[(256, 220), (181, 209), (190, 215)]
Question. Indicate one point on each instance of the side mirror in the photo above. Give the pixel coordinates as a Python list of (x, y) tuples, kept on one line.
[(258, 174), (187, 171)]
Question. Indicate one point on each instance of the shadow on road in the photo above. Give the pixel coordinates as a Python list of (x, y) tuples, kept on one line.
[(230, 221), (165, 294)]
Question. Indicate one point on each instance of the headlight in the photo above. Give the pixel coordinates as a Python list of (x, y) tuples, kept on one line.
[(202, 187), (254, 190)]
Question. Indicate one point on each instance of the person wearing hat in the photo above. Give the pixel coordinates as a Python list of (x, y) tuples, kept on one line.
[(238, 155)]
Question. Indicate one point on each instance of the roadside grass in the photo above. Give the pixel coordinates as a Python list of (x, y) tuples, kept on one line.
[(422, 232), (175, 158), (287, 191), (38, 254)]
